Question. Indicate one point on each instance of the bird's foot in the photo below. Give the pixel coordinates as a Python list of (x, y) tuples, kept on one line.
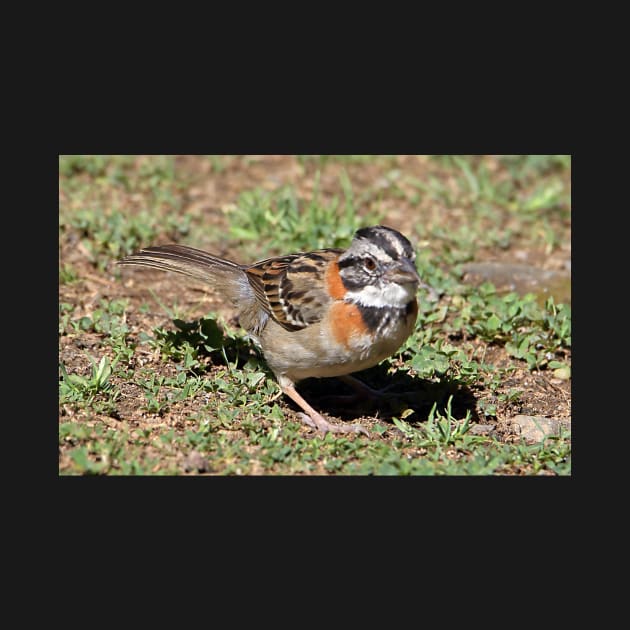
[(317, 421)]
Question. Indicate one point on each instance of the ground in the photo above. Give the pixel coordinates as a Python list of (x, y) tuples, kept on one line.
[(156, 378)]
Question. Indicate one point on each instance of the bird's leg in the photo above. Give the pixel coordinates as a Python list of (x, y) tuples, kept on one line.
[(314, 419)]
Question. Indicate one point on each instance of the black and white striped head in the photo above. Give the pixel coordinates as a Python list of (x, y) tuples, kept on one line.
[(378, 268)]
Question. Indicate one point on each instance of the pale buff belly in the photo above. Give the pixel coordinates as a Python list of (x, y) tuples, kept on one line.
[(309, 353)]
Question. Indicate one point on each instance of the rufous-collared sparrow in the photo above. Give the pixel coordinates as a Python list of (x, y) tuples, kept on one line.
[(324, 313)]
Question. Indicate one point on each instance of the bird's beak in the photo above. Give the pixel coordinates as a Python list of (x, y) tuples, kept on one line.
[(403, 272)]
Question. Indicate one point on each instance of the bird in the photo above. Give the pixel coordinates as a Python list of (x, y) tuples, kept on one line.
[(323, 313)]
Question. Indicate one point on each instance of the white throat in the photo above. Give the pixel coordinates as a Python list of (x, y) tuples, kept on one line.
[(393, 295)]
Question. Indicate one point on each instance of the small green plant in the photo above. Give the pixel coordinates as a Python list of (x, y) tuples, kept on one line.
[(151, 385), (431, 361), (189, 342), (95, 391), (96, 383), (445, 429), (108, 318), (438, 430), (65, 313), (67, 274)]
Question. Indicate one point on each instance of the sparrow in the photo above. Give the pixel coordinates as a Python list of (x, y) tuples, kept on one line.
[(324, 313)]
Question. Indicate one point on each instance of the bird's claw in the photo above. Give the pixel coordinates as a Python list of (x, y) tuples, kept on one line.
[(321, 424)]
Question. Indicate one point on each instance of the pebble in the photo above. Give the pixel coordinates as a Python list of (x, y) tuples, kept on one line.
[(196, 462), (481, 429), (520, 278), (535, 428), (562, 373)]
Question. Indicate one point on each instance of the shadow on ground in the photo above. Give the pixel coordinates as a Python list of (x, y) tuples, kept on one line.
[(326, 394), (402, 391)]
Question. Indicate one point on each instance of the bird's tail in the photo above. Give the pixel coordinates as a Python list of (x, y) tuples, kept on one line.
[(222, 274)]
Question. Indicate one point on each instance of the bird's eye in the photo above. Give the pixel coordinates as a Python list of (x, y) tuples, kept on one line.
[(369, 264)]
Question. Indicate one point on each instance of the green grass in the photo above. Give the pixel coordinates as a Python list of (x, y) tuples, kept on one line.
[(281, 219), (139, 398), (95, 392), (442, 445), (116, 204)]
